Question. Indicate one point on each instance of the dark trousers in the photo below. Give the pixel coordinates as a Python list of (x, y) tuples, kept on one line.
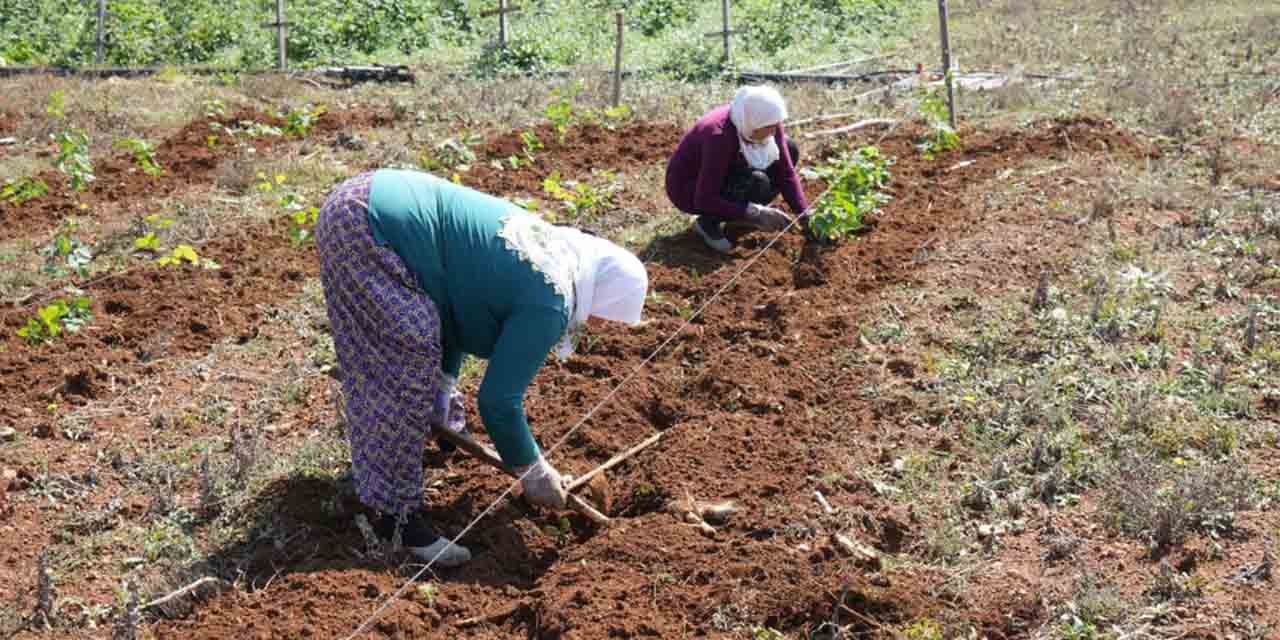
[(744, 184)]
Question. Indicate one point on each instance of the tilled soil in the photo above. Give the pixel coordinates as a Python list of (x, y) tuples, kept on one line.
[(754, 405), (735, 394)]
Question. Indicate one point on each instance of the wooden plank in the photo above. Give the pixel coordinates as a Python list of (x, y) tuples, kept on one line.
[(488, 13), (614, 461)]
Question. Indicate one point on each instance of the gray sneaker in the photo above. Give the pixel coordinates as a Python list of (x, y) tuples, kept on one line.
[(421, 540), (711, 230)]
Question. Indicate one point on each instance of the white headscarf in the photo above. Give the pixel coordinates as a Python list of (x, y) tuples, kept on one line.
[(595, 277), (754, 107), (609, 282)]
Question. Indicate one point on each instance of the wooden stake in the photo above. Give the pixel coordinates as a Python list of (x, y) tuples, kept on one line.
[(617, 64), (283, 61), (102, 19), (946, 62), (724, 15), (502, 23), (615, 461), (488, 456)]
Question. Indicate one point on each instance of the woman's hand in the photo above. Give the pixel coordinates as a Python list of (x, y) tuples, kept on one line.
[(543, 485), (767, 218)]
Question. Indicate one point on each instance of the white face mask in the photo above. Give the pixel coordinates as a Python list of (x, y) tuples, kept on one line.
[(759, 155)]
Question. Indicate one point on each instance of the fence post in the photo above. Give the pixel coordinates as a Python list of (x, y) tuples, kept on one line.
[(102, 19), (617, 64), (282, 62), (724, 15), (502, 23), (946, 62)]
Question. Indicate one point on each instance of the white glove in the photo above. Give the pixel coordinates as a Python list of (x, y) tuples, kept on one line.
[(767, 218), (542, 484), (449, 412)]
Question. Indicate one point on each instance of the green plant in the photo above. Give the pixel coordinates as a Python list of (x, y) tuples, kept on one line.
[(143, 154), (854, 182), (532, 143), (522, 54), (214, 108), (302, 224), (427, 594), (924, 629), (19, 190), (613, 116), (581, 198), (1077, 629), (51, 320), (652, 17), (185, 253), (768, 23), (560, 112), (149, 241), (1164, 503), (693, 58), (766, 633), (450, 153), (250, 128), (298, 122), (73, 158), (66, 252), (941, 137), (57, 108)]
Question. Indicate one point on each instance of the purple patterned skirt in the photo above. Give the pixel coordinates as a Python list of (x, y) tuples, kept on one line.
[(386, 332)]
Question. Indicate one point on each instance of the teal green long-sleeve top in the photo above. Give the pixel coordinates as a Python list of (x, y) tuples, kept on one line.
[(492, 304)]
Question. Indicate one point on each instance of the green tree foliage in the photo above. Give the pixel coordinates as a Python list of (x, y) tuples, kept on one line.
[(667, 35)]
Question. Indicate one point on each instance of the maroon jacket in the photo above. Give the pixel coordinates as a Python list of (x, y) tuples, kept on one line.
[(696, 172)]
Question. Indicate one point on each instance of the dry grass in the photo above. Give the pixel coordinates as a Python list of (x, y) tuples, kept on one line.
[(1173, 67), (1096, 395)]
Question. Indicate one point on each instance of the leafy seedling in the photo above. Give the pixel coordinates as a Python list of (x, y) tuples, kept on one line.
[(941, 137), (73, 158), (581, 198), (299, 122), (186, 254), (532, 144), (613, 116), (66, 253), (854, 182), (453, 153), (560, 112), (51, 320), (19, 190), (215, 108), (147, 242), (143, 154), (57, 107), (302, 225)]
